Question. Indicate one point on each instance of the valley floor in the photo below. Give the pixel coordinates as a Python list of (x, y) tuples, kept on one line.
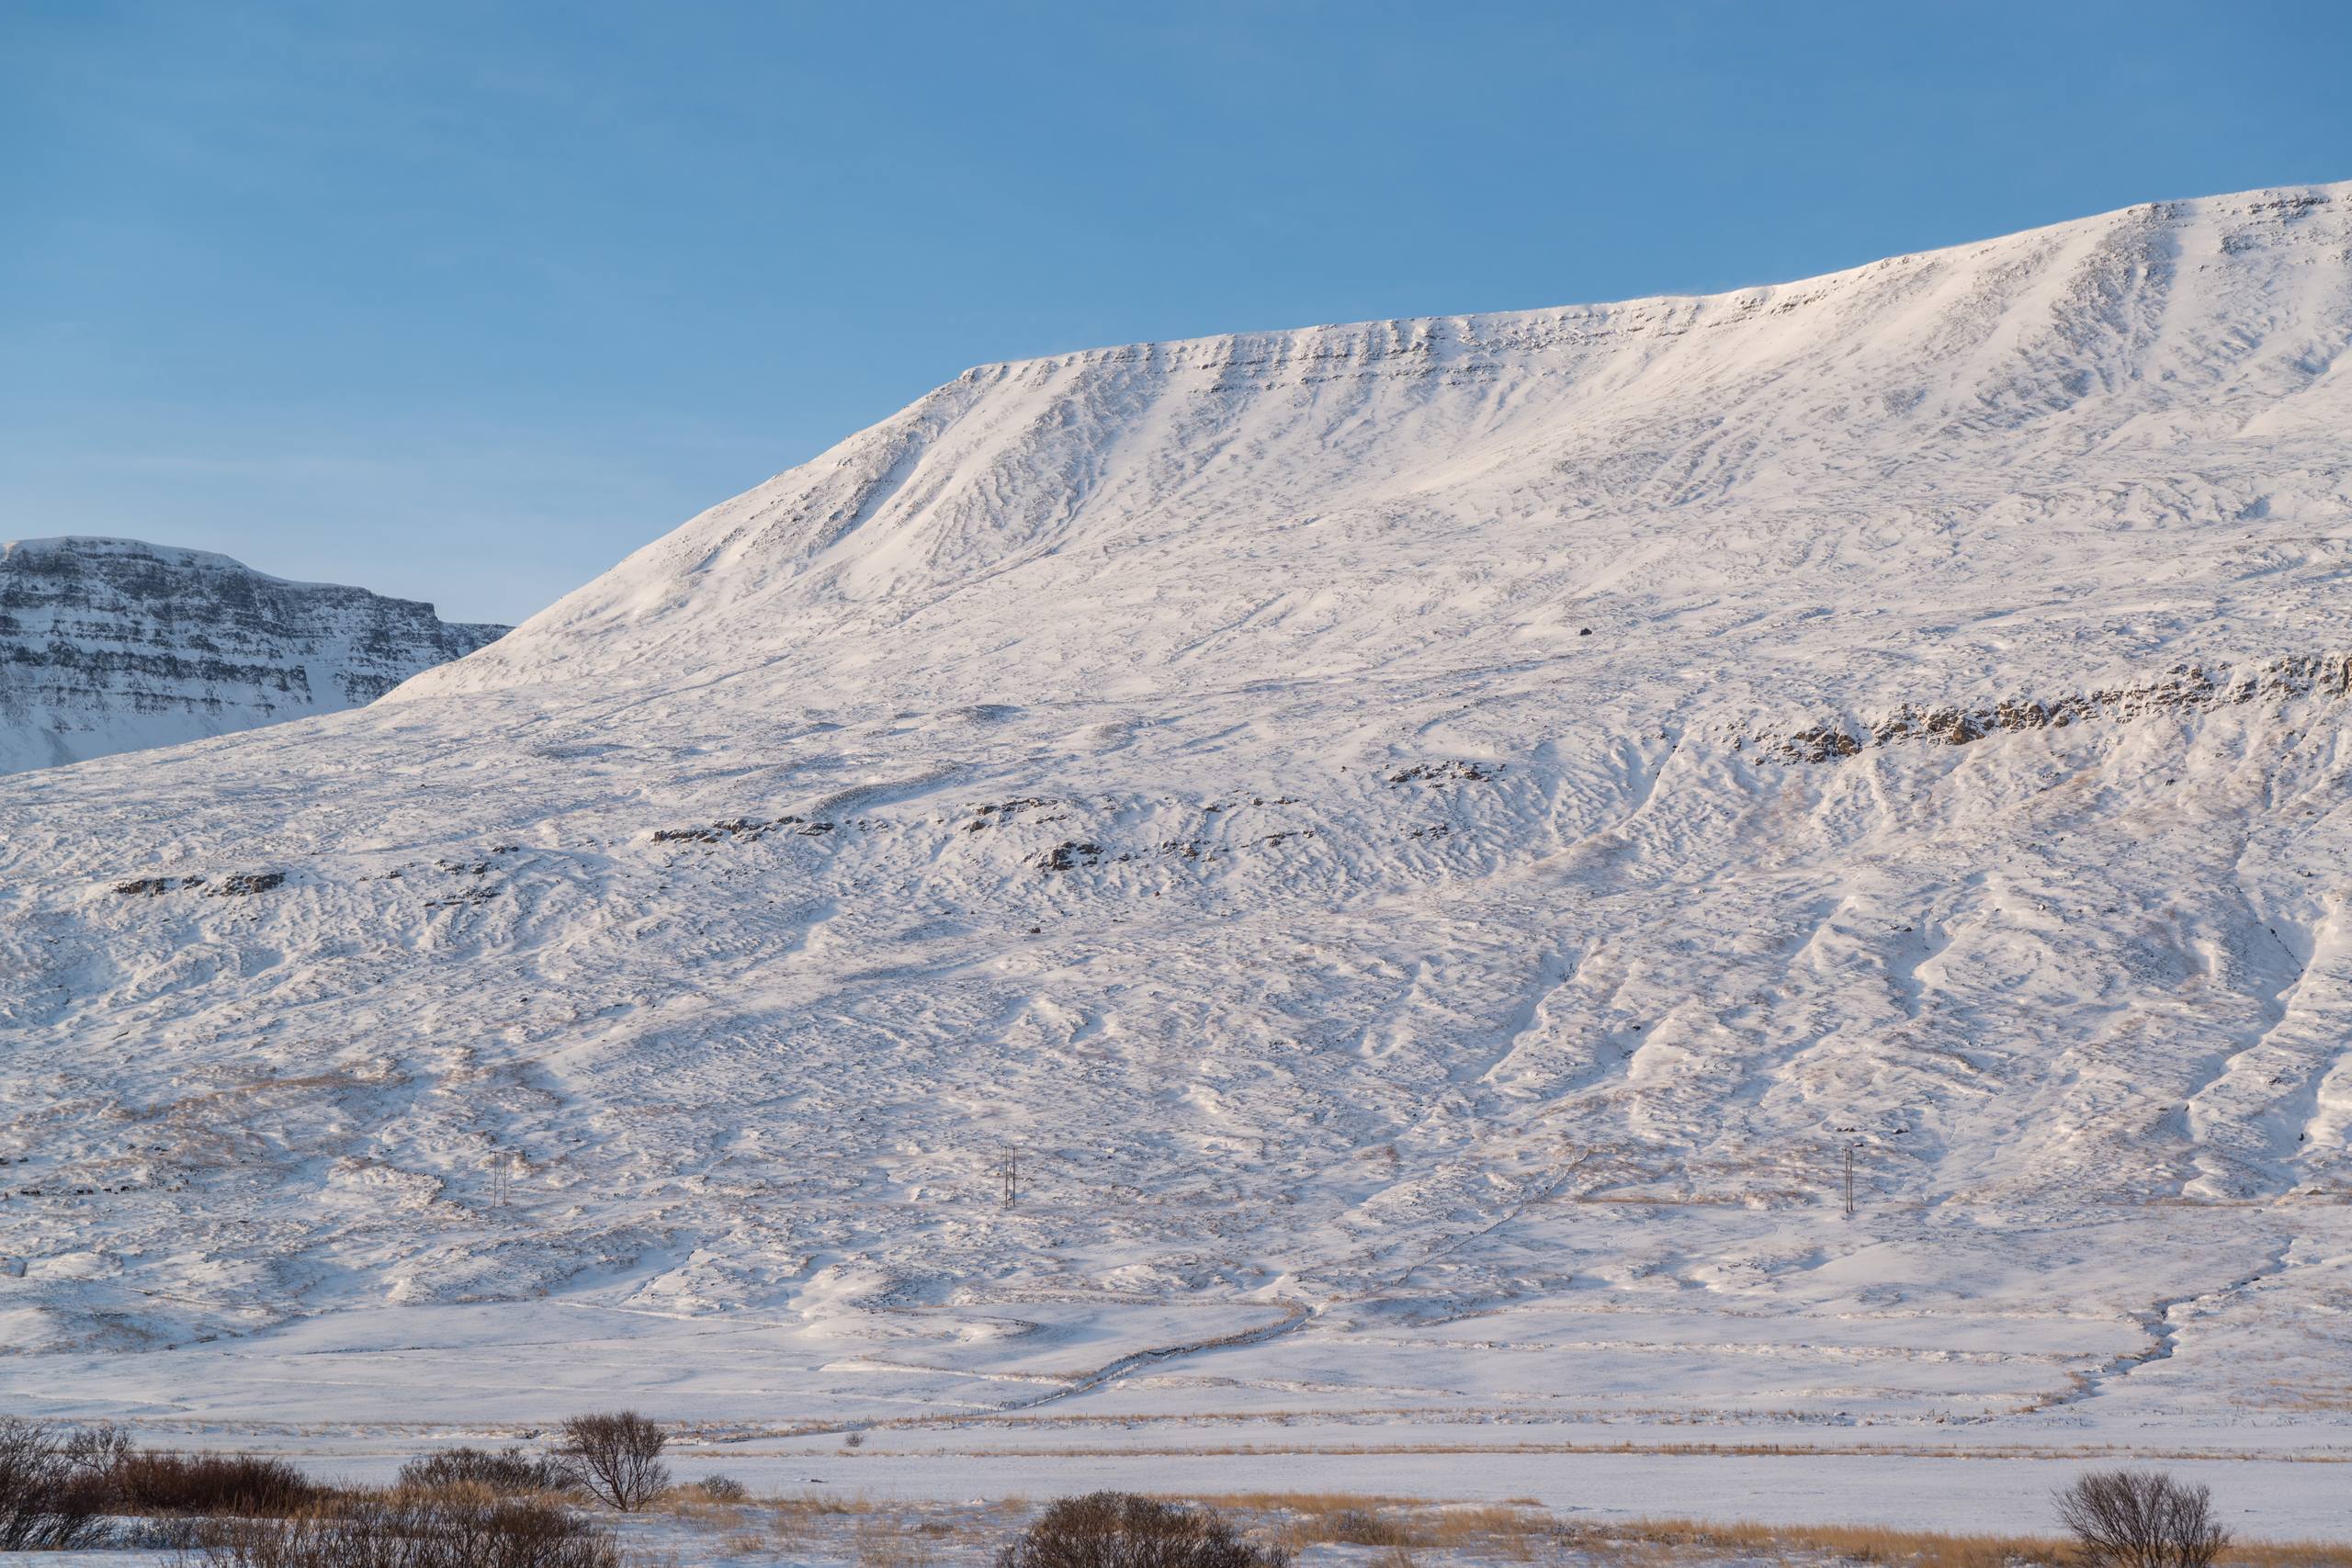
[(1931, 1391), (1688, 1511), (1939, 1322)]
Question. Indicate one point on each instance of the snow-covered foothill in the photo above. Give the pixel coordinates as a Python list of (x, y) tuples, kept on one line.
[(1424, 845)]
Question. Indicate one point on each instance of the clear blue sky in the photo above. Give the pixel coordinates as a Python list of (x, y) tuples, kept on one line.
[(464, 301)]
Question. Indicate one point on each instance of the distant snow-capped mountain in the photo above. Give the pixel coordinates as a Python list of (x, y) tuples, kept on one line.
[(112, 645)]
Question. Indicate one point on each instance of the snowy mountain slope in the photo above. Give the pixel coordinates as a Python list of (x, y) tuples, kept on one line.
[(1427, 842), (2035, 434), (110, 644)]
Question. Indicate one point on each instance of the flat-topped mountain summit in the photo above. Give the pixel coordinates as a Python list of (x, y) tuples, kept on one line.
[(2060, 456)]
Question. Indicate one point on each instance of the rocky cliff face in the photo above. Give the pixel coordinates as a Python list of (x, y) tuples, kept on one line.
[(111, 644)]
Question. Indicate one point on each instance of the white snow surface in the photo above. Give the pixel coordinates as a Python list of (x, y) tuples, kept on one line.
[(1427, 841), (113, 645)]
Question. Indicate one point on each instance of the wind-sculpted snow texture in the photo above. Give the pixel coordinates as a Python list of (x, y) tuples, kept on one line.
[(1426, 842), (109, 645)]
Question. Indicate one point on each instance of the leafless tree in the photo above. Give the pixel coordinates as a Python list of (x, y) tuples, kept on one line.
[(97, 1449), (2141, 1518), (617, 1457), (52, 1485)]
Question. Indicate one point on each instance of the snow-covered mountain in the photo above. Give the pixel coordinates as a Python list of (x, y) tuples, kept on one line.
[(1426, 844), (111, 644)]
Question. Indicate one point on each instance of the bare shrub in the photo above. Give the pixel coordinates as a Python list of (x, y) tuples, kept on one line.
[(2141, 1518), (1119, 1529), (617, 1457), (721, 1489), (52, 1486), (506, 1473), (459, 1527), (150, 1482)]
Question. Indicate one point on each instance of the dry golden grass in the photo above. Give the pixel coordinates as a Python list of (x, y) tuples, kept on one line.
[(689, 1505), (1851, 1543), (2288, 1554), (806, 1503), (789, 1520), (885, 1543), (2314, 1396), (1314, 1503), (1509, 1530), (1523, 1532), (1349, 1527), (1913, 1549)]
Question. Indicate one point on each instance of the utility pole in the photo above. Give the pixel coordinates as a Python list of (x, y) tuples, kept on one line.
[(1012, 1170), (1849, 1182)]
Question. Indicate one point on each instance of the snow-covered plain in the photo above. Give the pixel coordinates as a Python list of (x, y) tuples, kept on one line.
[(1427, 842)]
